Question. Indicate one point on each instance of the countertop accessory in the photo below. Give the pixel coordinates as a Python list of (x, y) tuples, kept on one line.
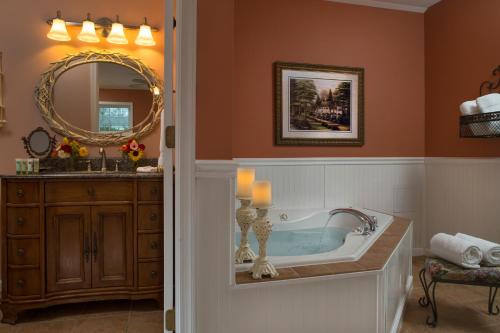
[(245, 215), (262, 227), (39, 143)]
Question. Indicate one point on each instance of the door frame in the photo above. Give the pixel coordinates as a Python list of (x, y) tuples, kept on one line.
[(185, 138)]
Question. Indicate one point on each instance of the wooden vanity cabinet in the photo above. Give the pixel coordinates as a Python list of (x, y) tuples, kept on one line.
[(73, 240)]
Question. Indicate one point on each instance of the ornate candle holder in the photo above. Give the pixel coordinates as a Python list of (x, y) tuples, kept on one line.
[(245, 217), (262, 227)]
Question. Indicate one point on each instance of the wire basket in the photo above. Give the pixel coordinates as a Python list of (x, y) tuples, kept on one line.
[(484, 125)]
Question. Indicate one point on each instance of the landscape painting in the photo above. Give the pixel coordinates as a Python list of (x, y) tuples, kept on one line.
[(318, 105)]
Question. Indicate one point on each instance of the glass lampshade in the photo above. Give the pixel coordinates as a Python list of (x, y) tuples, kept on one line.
[(58, 31), (117, 35), (145, 36), (88, 34)]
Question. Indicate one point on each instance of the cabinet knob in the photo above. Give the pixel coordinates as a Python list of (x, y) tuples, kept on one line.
[(20, 192), (91, 191), (153, 274), (153, 217), (154, 245), (20, 221), (20, 283), (21, 252)]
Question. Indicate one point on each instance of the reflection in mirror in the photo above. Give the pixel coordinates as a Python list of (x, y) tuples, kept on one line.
[(39, 143), (102, 97)]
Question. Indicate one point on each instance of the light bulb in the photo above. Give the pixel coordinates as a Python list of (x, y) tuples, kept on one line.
[(145, 36), (117, 35), (58, 30), (88, 34)]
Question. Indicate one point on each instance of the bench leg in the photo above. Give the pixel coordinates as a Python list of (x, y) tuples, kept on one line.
[(429, 298), (492, 308)]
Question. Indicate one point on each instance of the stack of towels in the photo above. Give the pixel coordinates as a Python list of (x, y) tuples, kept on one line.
[(466, 251), (484, 104)]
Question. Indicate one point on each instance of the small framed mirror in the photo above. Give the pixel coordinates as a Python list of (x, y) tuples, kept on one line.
[(100, 97), (39, 143)]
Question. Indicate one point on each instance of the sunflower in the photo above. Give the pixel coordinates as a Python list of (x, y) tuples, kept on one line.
[(135, 155), (83, 152)]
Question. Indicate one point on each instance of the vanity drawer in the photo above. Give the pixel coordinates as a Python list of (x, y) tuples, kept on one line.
[(150, 246), (24, 282), (150, 274), (23, 221), (150, 217), (150, 191), (23, 192), (23, 251), (81, 191)]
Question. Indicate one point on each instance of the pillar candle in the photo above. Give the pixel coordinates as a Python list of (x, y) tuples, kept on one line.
[(245, 179), (261, 194)]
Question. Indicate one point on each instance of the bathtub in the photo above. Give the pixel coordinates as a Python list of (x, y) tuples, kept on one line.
[(306, 237)]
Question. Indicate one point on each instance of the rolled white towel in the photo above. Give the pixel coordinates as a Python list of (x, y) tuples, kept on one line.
[(469, 108), (147, 169), (491, 251), (489, 103), (456, 250)]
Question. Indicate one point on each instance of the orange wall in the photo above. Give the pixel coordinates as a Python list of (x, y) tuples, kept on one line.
[(235, 78), (462, 47), (27, 53)]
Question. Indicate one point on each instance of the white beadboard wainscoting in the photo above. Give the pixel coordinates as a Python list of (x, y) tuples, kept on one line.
[(391, 185), (463, 195), (360, 302)]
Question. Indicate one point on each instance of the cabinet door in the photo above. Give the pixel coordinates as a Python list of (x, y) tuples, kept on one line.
[(68, 248), (112, 246)]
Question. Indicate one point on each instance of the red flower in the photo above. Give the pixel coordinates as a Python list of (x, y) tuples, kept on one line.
[(125, 148), (142, 147), (66, 148)]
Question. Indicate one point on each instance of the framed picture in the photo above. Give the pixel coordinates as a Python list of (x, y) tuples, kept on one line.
[(319, 105)]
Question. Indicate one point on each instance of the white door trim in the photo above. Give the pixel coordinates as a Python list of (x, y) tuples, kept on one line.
[(185, 136), (168, 196)]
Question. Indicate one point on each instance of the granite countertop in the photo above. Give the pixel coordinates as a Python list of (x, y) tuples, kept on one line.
[(86, 174)]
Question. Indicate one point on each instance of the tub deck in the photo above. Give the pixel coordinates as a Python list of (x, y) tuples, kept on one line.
[(373, 260)]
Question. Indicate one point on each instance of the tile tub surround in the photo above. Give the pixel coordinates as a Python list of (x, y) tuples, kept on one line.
[(373, 260)]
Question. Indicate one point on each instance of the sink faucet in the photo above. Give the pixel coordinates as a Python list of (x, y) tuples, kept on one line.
[(369, 222), (103, 159)]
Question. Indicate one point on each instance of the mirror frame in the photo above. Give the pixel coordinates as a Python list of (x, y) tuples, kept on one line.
[(34, 154), (44, 95)]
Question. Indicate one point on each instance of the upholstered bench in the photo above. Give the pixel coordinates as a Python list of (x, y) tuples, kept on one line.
[(442, 271)]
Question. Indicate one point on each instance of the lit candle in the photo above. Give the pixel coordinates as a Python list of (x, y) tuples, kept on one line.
[(245, 179), (261, 194)]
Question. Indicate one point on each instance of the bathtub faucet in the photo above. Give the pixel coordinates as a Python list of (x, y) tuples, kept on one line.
[(369, 222)]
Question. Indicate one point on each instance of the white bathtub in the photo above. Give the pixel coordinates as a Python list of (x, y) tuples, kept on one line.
[(354, 246)]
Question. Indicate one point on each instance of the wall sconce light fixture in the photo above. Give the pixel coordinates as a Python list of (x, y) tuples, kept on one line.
[(112, 31), (145, 36), (117, 34), (88, 34), (58, 29)]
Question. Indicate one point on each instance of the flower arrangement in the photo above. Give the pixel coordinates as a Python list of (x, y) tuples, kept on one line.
[(70, 149), (133, 150)]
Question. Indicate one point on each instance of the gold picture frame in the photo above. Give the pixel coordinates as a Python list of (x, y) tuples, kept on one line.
[(318, 105), (44, 96)]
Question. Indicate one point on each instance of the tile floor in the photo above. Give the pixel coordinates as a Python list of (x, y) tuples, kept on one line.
[(95, 317), (461, 309)]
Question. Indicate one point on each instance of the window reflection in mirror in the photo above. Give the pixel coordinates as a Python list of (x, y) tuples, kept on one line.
[(102, 97)]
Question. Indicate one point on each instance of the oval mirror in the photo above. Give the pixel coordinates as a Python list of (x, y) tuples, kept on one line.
[(38, 143), (100, 98)]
